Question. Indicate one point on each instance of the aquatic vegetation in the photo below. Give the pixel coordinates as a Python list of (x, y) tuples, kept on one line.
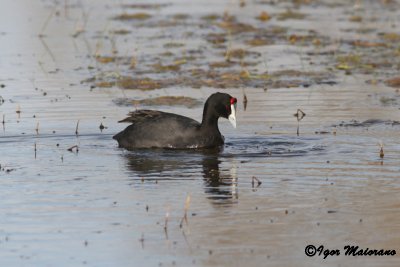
[(230, 56), (264, 16), (144, 6), (393, 82), (259, 42), (105, 60), (181, 16), (121, 32), (348, 62), (211, 17), (216, 38), (173, 45), (241, 53), (133, 16), (163, 68), (188, 102), (104, 84), (290, 14), (356, 18), (236, 27), (221, 64), (391, 37), (140, 84), (368, 44)]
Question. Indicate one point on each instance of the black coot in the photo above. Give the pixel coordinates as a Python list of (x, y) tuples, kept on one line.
[(151, 128)]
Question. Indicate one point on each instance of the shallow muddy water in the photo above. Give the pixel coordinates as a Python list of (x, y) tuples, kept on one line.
[(100, 205)]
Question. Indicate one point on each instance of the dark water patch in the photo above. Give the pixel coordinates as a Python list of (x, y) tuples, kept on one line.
[(367, 123), (8, 168)]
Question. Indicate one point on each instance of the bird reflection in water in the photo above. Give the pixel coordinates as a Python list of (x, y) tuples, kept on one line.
[(219, 185)]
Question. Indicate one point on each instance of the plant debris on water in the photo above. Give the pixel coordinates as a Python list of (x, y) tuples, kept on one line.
[(188, 102), (230, 51), (290, 14), (144, 6), (393, 82), (264, 16), (133, 16)]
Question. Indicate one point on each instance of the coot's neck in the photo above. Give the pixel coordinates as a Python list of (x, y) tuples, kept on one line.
[(210, 118)]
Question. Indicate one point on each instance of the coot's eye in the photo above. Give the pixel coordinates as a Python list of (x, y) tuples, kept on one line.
[(233, 100)]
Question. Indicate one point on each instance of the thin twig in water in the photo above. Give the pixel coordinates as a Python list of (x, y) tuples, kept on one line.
[(299, 115), (187, 205), (18, 111), (77, 126), (35, 150), (244, 101), (381, 153), (102, 127), (72, 148), (41, 34), (186, 240), (166, 223), (66, 8), (229, 47), (81, 29), (142, 240), (255, 179), (37, 128), (48, 50)]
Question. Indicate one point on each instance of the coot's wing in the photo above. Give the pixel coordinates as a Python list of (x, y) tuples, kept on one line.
[(142, 115), (151, 128)]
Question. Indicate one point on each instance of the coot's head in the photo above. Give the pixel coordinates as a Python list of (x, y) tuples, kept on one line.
[(221, 105)]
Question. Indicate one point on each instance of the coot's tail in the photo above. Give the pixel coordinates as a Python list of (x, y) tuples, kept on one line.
[(118, 136)]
